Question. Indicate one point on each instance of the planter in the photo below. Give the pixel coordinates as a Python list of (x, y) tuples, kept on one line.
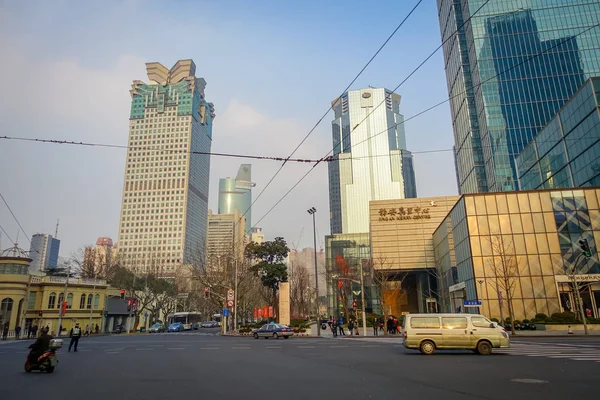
[(575, 327)]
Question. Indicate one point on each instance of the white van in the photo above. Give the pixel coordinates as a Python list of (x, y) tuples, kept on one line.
[(429, 332)]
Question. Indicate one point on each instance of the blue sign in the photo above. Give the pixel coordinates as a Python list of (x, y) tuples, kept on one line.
[(146, 315), (472, 303), (225, 312)]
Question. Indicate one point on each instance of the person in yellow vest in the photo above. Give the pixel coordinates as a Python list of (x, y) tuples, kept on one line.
[(75, 335)]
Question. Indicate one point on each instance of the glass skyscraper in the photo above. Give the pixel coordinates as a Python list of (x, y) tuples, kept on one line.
[(165, 195), (236, 194), (509, 70), (371, 160)]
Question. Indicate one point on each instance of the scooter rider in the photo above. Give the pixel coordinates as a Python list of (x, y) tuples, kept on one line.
[(40, 346)]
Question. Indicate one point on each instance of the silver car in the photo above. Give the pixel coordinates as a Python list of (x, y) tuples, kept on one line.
[(273, 330)]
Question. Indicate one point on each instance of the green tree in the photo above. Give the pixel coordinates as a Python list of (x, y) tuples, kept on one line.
[(268, 258)]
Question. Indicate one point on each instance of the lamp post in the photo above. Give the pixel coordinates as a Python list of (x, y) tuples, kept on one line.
[(312, 211), (60, 312)]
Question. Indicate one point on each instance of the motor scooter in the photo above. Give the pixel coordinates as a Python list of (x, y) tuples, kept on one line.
[(47, 362)]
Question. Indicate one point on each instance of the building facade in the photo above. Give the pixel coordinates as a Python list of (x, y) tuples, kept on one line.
[(371, 161), (28, 300), (509, 69), (305, 258), (226, 236), (99, 257), (402, 251), (257, 235), (165, 193), (519, 249), (44, 252), (236, 194), (565, 153)]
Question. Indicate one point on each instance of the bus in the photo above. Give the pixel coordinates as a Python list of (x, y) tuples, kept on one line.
[(190, 320)]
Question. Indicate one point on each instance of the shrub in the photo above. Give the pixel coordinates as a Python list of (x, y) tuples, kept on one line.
[(494, 320), (564, 317), (526, 321), (541, 317), (517, 322), (507, 320)]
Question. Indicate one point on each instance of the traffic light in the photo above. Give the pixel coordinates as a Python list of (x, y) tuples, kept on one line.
[(354, 304), (129, 304), (134, 304), (41, 314), (122, 293), (105, 313), (585, 248), (206, 293)]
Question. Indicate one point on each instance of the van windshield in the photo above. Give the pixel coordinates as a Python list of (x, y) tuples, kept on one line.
[(481, 322)]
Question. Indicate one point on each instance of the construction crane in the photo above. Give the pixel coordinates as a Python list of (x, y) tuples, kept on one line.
[(297, 243)]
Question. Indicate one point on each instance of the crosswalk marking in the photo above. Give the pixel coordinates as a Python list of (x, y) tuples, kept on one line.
[(558, 351)]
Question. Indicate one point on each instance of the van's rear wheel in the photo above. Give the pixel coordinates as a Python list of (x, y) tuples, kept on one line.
[(427, 347), (484, 348)]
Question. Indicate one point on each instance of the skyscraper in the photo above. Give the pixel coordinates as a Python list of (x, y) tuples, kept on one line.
[(165, 193), (225, 236), (371, 160), (509, 70), (236, 194), (43, 252)]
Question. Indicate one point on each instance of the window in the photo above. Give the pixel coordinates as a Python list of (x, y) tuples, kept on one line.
[(52, 300), (31, 300), (425, 323), (70, 300), (89, 302), (454, 323), (481, 322), (82, 301), (96, 302)]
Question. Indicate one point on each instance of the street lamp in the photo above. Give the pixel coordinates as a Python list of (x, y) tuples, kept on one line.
[(312, 211)]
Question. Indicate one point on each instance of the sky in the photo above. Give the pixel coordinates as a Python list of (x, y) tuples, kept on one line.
[(272, 69)]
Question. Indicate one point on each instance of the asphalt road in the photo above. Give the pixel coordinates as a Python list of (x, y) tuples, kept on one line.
[(203, 365)]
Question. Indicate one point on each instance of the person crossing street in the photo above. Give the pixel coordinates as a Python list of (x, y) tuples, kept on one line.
[(75, 335)]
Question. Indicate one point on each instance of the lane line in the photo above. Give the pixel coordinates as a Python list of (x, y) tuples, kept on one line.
[(337, 347), (208, 348), (274, 347), (144, 349), (174, 348), (305, 347)]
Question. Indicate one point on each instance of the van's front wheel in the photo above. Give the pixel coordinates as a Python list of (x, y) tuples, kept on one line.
[(427, 347), (484, 348)]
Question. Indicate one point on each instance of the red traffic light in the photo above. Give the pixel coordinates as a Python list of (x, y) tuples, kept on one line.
[(41, 314), (122, 293)]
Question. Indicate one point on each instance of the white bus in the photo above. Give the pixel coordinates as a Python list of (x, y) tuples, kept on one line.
[(190, 320)]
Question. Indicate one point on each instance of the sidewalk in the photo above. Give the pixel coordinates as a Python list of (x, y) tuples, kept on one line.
[(370, 334)]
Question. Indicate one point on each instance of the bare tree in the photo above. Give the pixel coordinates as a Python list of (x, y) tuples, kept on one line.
[(505, 268), (388, 284), (300, 290)]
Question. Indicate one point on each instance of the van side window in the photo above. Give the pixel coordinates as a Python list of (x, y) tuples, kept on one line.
[(425, 323), (454, 323), (480, 322)]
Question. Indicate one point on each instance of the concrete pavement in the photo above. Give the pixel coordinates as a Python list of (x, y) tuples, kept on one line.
[(209, 366)]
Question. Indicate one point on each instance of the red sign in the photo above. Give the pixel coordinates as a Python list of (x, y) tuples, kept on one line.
[(259, 312), (265, 311), (64, 308), (270, 311)]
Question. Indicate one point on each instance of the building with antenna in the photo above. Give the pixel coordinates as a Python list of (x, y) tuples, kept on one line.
[(44, 252), (371, 160), (236, 194), (164, 208)]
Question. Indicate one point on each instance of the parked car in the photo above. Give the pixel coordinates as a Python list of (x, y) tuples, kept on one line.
[(273, 330), (156, 328), (176, 327), (119, 329), (208, 324), (195, 326)]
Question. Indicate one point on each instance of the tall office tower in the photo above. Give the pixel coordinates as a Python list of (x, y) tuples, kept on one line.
[(43, 252), (236, 194), (225, 237), (371, 160), (165, 194), (509, 70)]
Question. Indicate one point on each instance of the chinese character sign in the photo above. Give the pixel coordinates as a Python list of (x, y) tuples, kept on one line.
[(403, 213)]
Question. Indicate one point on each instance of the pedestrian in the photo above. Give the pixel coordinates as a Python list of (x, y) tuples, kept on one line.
[(35, 329), (375, 326), (29, 328), (351, 327), (341, 326), (75, 335), (97, 329), (333, 327), (18, 332), (5, 331)]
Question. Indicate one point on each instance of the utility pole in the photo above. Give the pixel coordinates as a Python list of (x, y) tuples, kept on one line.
[(312, 211), (362, 300), (25, 307), (578, 294), (60, 313)]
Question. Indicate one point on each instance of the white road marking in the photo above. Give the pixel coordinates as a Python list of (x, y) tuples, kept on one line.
[(208, 348), (306, 347), (240, 348), (174, 348), (274, 347), (337, 347), (144, 349)]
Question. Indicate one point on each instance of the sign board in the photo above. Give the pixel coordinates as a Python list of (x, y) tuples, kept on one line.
[(230, 295), (430, 300), (225, 312), (472, 303), (182, 295), (230, 303), (456, 287), (578, 278), (146, 315), (403, 213)]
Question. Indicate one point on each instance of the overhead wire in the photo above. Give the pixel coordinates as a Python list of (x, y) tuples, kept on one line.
[(17, 221), (435, 106)]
